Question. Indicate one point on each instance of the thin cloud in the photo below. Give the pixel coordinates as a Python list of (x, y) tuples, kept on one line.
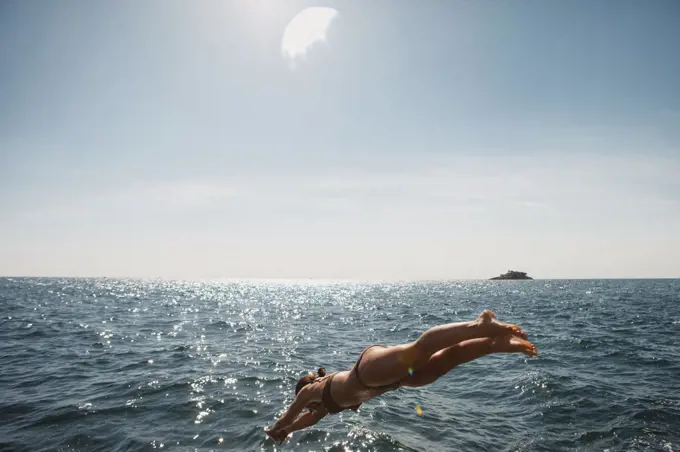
[(308, 27)]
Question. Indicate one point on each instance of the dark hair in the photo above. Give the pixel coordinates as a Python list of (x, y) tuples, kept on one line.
[(309, 378)]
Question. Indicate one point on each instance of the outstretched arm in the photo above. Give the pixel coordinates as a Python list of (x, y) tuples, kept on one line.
[(303, 421), (294, 409)]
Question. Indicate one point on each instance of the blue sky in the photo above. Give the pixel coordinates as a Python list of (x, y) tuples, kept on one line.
[(421, 140)]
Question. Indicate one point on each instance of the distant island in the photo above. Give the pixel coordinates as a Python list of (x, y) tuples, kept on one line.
[(512, 274)]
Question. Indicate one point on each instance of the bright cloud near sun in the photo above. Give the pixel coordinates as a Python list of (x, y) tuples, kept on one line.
[(306, 28)]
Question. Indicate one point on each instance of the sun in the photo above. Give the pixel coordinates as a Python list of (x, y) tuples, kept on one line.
[(305, 29)]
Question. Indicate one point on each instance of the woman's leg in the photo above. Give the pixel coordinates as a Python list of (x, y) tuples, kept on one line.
[(384, 366), (443, 361), (444, 336)]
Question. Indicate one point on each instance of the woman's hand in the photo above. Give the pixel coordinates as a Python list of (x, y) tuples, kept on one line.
[(279, 435)]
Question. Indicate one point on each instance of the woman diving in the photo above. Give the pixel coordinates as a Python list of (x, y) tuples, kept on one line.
[(380, 369)]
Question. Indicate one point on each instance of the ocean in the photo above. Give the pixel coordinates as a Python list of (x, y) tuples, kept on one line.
[(141, 365)]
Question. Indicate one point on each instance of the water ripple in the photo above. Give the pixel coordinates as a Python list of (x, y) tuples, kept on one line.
[(128, 365)]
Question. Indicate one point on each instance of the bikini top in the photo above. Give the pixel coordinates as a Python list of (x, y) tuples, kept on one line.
[(332, 406)]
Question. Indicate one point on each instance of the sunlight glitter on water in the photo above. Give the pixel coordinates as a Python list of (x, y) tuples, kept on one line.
[(228, 356)]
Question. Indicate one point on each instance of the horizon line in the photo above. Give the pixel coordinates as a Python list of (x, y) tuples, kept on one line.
[(283, 280)]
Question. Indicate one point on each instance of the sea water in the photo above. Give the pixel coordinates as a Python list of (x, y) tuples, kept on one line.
[(134, 365)]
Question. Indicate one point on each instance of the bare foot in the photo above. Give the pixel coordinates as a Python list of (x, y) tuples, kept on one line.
[(513, 344), (487, 319)]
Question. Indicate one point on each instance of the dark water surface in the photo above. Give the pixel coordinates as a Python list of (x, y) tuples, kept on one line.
[(130, 365)]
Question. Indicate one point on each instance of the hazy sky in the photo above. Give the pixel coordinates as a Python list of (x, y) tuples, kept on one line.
[(413, 140)]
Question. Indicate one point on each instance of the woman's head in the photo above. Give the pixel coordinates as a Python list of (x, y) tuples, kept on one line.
[(309, 378)]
